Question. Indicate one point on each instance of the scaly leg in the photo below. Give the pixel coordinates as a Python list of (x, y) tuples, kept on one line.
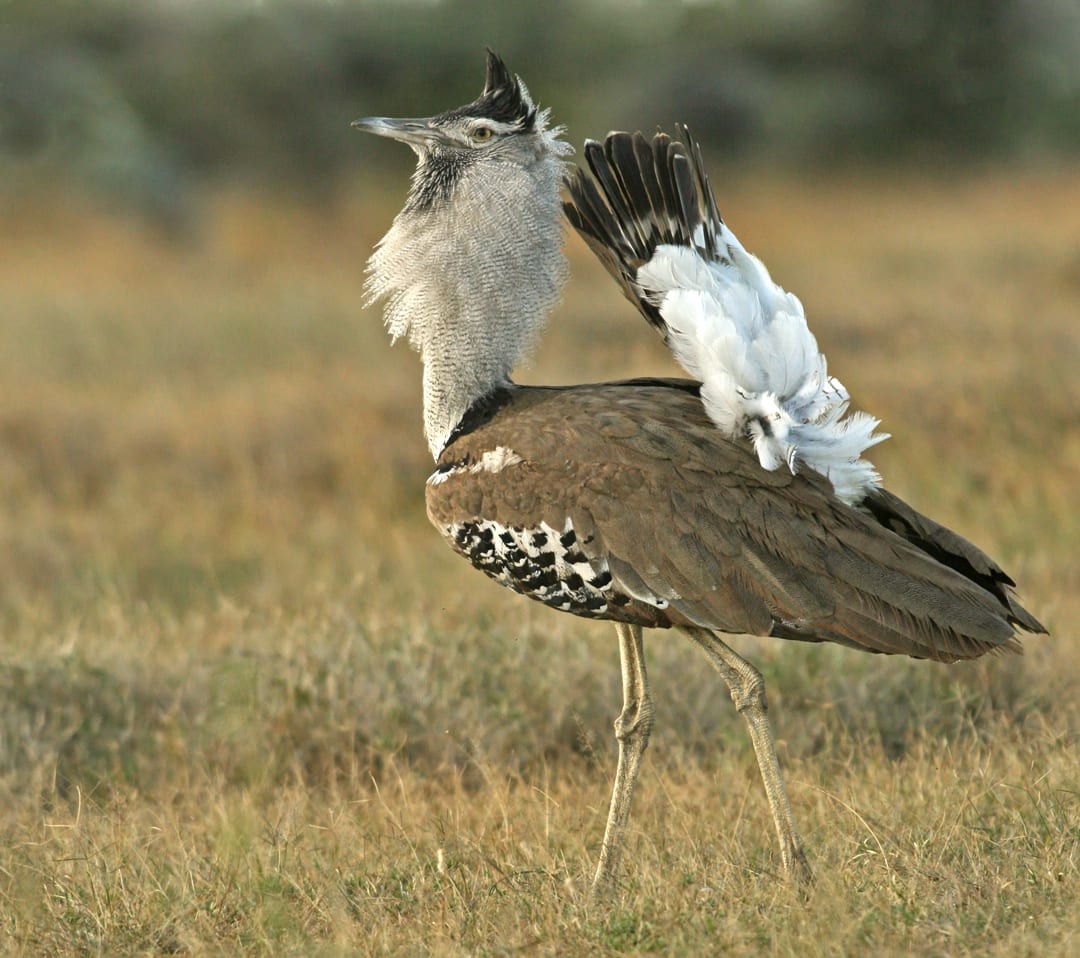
[(632, 729), (748, 693)]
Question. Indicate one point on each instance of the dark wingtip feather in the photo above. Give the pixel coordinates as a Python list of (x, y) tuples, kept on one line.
[(956, 553), (639, 195), (590, 213), (682, 178)]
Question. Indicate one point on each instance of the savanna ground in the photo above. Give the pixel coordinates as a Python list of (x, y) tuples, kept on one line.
[(250, 703)]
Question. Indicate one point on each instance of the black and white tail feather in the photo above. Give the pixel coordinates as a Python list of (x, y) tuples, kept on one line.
[(649, 213)]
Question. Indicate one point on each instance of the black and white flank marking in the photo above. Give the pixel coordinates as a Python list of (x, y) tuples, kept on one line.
[(543, 563)]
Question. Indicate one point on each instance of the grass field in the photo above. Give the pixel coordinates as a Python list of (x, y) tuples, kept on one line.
[(250, 702)]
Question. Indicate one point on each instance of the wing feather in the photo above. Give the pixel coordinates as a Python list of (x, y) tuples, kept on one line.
[(693, 530), (653, 221)]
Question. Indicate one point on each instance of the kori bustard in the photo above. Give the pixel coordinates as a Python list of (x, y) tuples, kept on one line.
[(737, 501)]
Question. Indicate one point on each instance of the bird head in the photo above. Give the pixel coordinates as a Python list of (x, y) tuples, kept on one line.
[(502, 125)]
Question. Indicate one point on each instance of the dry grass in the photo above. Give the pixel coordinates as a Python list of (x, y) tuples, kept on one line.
[(251, 704)]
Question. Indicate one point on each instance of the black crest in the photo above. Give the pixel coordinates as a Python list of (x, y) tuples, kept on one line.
[(502, 99)]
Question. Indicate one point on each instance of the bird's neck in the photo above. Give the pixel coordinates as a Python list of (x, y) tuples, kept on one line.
[(469, 279)]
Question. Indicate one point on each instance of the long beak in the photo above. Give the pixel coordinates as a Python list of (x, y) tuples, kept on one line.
[(416, 132)]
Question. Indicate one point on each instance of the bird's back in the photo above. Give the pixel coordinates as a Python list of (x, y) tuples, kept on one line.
[(623, 501)]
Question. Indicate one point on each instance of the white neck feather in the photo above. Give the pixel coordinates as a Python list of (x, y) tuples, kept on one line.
[(470, 280)]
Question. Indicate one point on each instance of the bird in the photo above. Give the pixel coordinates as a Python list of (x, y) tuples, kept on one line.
[(736, 501)]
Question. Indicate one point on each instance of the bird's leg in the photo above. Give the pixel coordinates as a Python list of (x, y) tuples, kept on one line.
[(632, 729), (748, 693)]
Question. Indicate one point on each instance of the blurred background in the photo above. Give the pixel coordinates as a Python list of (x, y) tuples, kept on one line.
[(146, 104), (219, 592), (196, 410)]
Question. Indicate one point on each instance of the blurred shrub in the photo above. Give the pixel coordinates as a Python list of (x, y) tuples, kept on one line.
[(139, 101)]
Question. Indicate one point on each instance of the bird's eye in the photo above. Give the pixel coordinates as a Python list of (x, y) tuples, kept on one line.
[(482, 133)]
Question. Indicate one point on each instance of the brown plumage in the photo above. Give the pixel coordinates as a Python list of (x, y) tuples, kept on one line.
[(673, 510)]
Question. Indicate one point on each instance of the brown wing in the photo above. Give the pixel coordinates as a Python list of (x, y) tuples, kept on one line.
[(623, 501)]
